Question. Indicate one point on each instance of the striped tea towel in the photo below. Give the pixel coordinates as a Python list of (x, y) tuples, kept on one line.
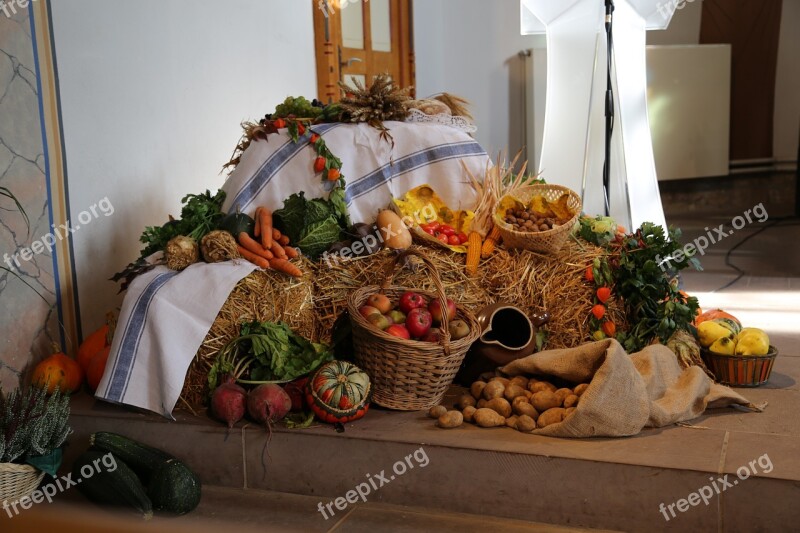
[(165, 317), (270, 171)]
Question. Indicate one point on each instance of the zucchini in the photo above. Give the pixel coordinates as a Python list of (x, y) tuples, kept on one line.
[(171, 485), (119, 487), (174, 488)]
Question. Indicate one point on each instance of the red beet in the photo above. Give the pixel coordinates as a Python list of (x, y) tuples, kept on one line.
[(297, 391), (268, 403), (228, 403)]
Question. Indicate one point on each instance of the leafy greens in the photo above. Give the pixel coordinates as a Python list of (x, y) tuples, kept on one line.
[(313, 225)]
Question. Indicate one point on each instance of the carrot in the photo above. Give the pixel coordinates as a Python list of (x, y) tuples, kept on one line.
[(278, 251), (284, 240), (276, 234), (253, 258), (252, 246), (490, 242), (282, 265), (291, 253), (256, 217), (265, 221), (473, 252)]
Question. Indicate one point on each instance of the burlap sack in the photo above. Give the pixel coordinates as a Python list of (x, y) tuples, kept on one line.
[(626, 392)]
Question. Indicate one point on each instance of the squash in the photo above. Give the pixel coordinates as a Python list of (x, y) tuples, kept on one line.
[(119, 487), (715, 313), (58, 370), (143, 459), (393, 230), (339, 391), (235, 223), (96, 341), (97, 367)]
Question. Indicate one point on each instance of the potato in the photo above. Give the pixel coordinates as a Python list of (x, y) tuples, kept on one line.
[(568, 411), (466, 400), (493, 389), (500, 406), (512, 391), (481, 403), (544, 400), (436, 411), (504, 381), (540, 386), (571, 401), (551, 416), (528, 394), (525, 423), (469, 413), (511, 421), (521, 381), (524, 408), (486, 418), (476, 389), (579, 389), (451, 419), (561, 394)]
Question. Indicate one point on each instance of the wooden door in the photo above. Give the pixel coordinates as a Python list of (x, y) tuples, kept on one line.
[(359, 39)]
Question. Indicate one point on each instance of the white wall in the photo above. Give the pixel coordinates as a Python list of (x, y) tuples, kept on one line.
[(152, 94), (469, 48), (684, 28), (786, 123)]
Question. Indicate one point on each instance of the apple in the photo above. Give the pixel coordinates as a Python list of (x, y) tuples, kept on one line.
[(411, 300), (367, 310), (436, 310), (398, 330), (397, 316), (458, 329), (380, 302), (379, 321), (433, 335), (418, 322)]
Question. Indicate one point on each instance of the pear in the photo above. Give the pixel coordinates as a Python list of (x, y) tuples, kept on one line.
[(752, 341), (709, 331), (723, 346)]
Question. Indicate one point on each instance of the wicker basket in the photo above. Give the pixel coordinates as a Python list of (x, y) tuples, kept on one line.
[(407, 375), (543, 241), (741, 371), (17, 481)]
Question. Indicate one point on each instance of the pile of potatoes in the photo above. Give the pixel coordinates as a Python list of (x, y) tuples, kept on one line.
[(520, 403)]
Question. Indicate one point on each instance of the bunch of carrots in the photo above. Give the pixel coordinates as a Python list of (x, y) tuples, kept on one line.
[(272, 250)]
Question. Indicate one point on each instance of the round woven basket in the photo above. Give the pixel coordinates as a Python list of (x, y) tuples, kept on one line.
[(17, 481), (408, 375), (542, 241), (741, 371)]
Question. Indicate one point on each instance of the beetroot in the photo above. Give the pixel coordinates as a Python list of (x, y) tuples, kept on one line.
[(228, 403), (268, 403), (297, 392)]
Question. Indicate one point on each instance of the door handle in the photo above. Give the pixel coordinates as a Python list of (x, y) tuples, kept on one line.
[(347, 62)]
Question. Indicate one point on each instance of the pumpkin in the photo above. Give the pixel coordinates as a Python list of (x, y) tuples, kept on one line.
[(338, 392), (96, 341), (713, 314), (97, 367), (235, 223), (58, 370)]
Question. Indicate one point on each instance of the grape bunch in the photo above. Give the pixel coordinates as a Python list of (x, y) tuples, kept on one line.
[(298, 107)]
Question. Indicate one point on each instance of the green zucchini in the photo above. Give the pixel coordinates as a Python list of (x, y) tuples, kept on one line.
[(172, 486), (119, 487)]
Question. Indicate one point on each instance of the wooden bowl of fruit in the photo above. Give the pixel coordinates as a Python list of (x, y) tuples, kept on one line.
[(740, 357)]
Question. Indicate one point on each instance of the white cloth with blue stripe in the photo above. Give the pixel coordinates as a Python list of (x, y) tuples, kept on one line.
[(165, 316)]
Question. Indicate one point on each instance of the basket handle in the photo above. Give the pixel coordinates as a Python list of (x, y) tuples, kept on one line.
[(391, 269)]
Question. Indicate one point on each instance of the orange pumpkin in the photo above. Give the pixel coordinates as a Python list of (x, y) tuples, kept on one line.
[(97, 367), (715, 313), (92, 344), (60, 371)]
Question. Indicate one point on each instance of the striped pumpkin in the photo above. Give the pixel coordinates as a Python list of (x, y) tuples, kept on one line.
[(338, 392)]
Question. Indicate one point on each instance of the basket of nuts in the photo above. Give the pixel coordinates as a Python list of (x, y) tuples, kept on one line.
[(538, 217)]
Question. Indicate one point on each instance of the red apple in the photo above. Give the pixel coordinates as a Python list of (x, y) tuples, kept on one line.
[(366, 310), (397, 316), (411, 300), (433, 335), (418, 322), (436, 310), (379, 321), (380, 302), (398, 330)]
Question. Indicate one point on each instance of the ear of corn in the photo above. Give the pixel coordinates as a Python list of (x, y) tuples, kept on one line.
[(473, 252), (490, 242)]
